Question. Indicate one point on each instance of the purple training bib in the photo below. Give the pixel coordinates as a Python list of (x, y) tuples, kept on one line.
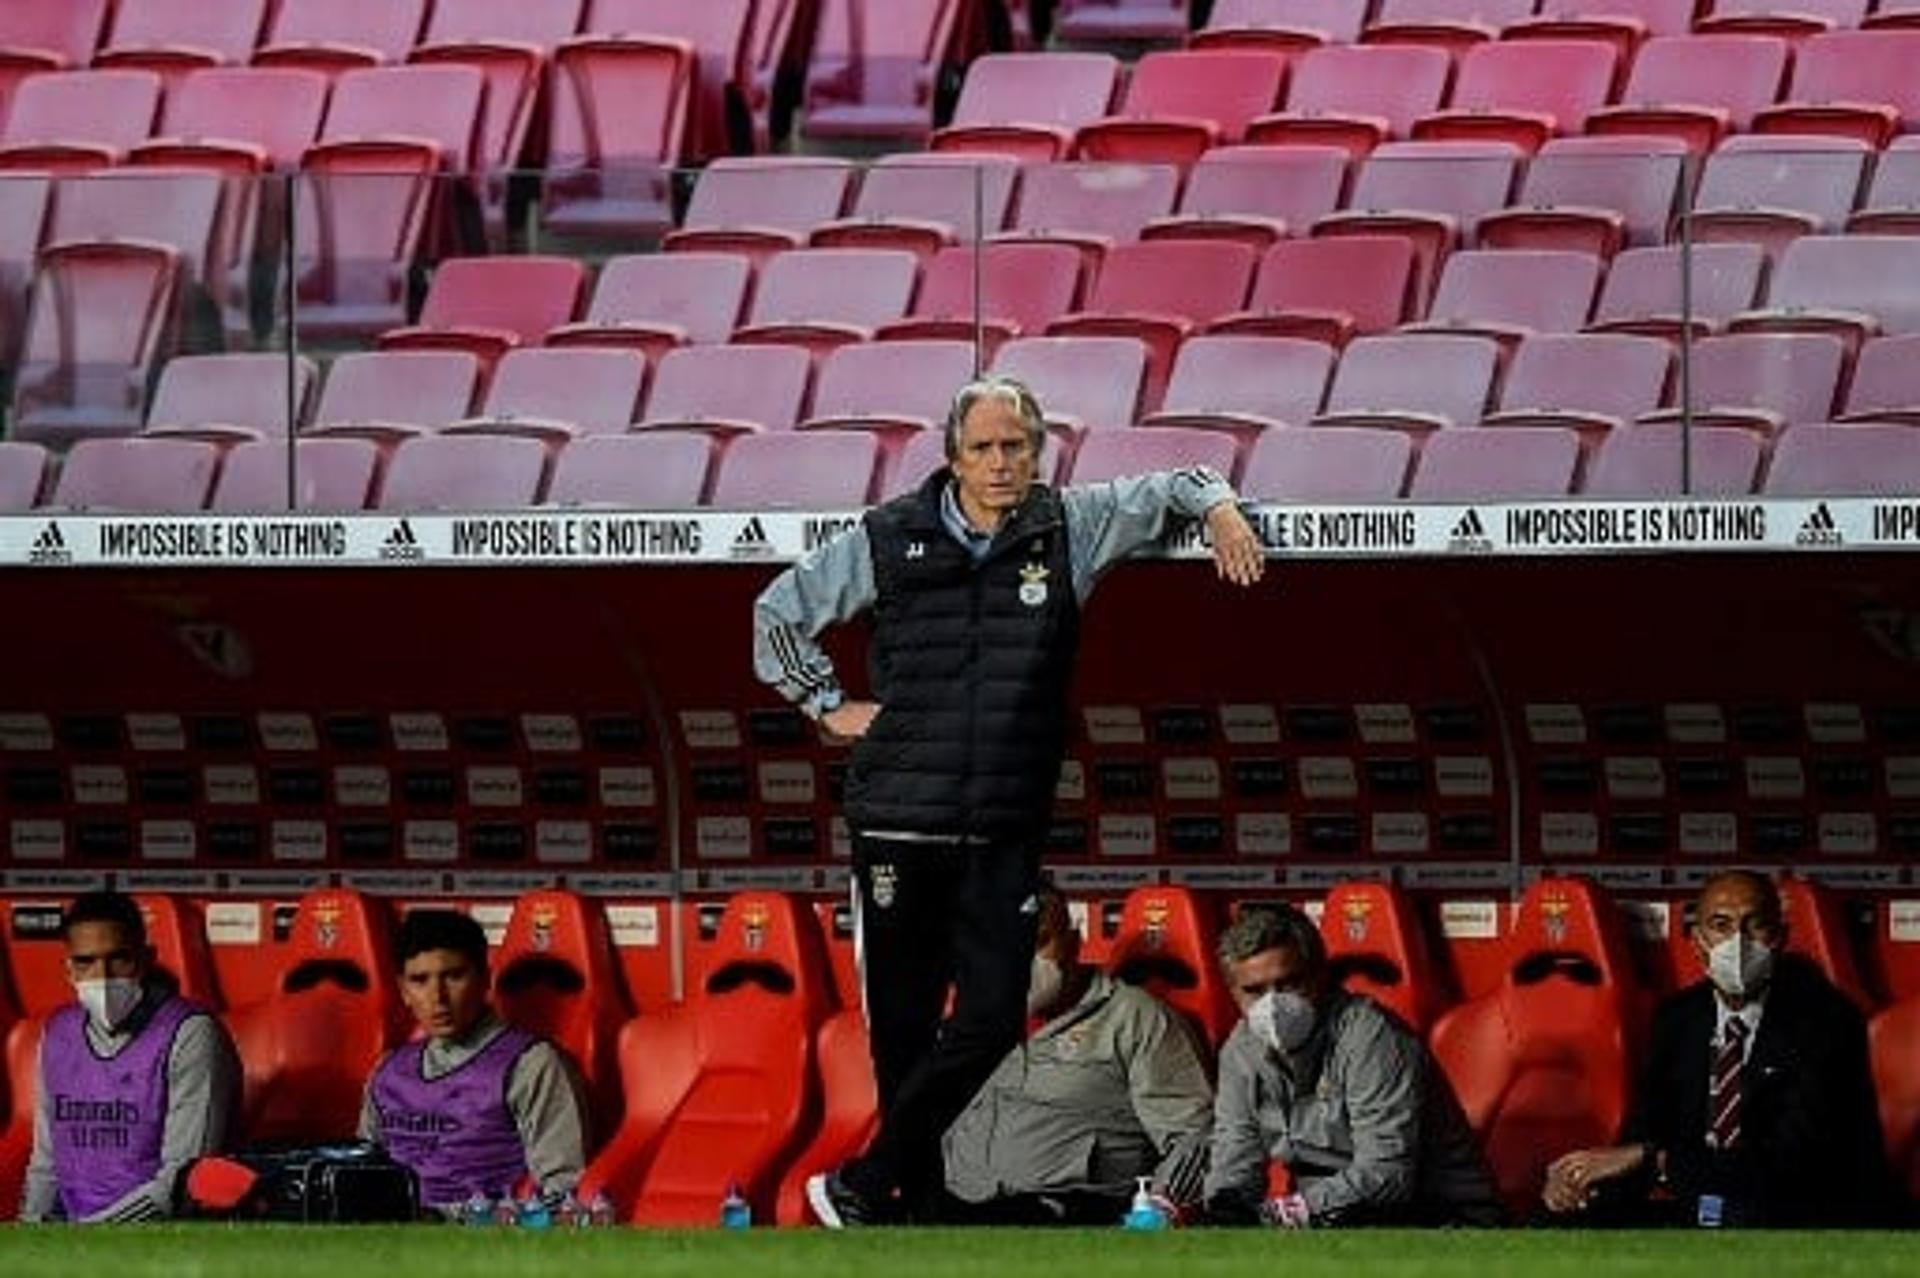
[(455, 1131)]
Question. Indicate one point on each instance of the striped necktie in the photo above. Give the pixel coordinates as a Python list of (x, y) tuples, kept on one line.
[(1723, 1093)]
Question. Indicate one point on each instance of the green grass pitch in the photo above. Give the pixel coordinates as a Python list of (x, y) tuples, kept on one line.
[(253, 1251)]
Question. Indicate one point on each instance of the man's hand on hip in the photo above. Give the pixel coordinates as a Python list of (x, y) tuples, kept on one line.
[(1237, 554), (850, 720)]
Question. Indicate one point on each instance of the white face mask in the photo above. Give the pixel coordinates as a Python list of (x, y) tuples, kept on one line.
[(1282, 1020), (108, 1000), (1739, 966), (1044, 985)]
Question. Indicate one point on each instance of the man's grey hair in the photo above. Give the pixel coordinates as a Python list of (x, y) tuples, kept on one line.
[(1273, 927), (1013, 393)]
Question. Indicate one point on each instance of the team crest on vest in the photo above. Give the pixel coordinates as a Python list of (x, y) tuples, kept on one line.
[(885, 886), (1033, 585)]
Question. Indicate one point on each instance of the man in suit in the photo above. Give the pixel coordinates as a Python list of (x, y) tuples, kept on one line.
[(1756, 1106)]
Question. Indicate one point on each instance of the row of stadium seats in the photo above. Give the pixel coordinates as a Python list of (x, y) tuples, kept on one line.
[(1345, 21), (785, 1089)]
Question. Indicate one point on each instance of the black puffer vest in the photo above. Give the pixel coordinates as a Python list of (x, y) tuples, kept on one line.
[(971, 666)]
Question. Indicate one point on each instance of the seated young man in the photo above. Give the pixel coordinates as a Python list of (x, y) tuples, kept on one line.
[(135, 1081), (473, 1105), (1111, 1087)]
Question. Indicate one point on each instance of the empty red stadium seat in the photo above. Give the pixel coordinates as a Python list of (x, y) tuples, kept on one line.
[(101, 314), (1645, 288), (1512, 293), (1625, 22), (822, 470), (1022, 287), (1097, 20), (464, 472), (1083, 383), (1245, 385), (618, 124), (329, 475), (1093, 206), (1886, 381), (1542, 1064), (874, 69), (1892, 202), (1523, 463), (231, 397), (1329, 290), (716, 32), (177, 37), (1893, 1038), (723, 1089), (1645, 462), (1523, 92), (922, 203), (1159, 292), (1417, 383), (1377, 946), (1772, 190), (1817, 930), (1181, 103), (310, 1047), (402, 391), (555, 974), (1864, 460), (728, 390), (822, 298), (1592, 195), (1788, 19), (24, 200), (893, 389), (849, 1112), (330, 36), (180, 210), (653, 302), (78, 120), (658, 470), (1454, 25), (1356, 96), (1028, 105), (1255, 195), (488, 305), (1696, 89), (46, 35), (759, 205), (553, 393), (1765, 382), (1594, 383), (1430, 193), (1285, 25), (1850, 286), (1857, 84), (1328, 464), (1165, 943), (1116, 454), (372, 188), (23, 475)]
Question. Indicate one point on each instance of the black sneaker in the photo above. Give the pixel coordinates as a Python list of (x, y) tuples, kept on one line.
[(838, 1205)]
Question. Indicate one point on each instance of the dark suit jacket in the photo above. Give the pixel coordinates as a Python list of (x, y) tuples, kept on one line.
[(1810, 1151)]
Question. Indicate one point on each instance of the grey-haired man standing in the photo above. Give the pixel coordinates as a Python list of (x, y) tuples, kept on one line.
[(974, 582)]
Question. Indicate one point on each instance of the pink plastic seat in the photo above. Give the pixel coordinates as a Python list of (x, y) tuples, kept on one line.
[(923, 203), (1851, 286), (1643, 291), (1764, 382), (817, 469), (78, 121), (874, 69), (1592, 195), (554, 393), (1594, 383), (662, 470), (331, 36), (1865, 460), (1772, 190), (231, 397), (23, 475), (1022, 287), (137, 475), (389, 394), (177, 37), (46, 35), (1094, 20), (1246, 385), (1328, 464), (328, 475), (822, 298), (464, 472), (1420, 383), (718, 32), (1255, 195), (1287, 26), (489, 305), (760, 205), (1092, 206), (1524, 92), (1892, 202), (1083, 383), (1116, 454), (618, 125), (729, 390), (1886, 381), (653, 302), (1646, 462), (1527, 463), (1696, 89), (1028, 105), (1512, 293), (1856, 84), (1356, 97), (1181, 103)]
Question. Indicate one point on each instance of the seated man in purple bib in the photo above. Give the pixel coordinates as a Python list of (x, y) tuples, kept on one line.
[(135, 1081), (474, 1106)]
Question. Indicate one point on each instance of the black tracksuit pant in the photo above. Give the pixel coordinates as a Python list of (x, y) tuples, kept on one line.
[(935, 916)]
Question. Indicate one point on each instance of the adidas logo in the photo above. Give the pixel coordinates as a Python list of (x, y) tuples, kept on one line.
[(1819, 529), (50, 547), (752, 541), (1469, 535), (402, 545)]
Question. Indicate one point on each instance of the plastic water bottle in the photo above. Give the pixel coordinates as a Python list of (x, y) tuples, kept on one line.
[(570, 1216), (477, 1210), (1144, 1213), (534, 1213), (600, 1211), (735, 1211), (506, 1211)]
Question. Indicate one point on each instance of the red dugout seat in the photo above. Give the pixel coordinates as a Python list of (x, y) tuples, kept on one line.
[(1893, 1039), (1165, 944), (1542, 1065), (723, 1089), (849, 1112), (1376, 946), (309, 1048), (555, 974)]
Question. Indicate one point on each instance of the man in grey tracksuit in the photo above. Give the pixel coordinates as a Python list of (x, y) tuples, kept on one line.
[(1109, 1089), (1331, 1085), (974, 583)]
